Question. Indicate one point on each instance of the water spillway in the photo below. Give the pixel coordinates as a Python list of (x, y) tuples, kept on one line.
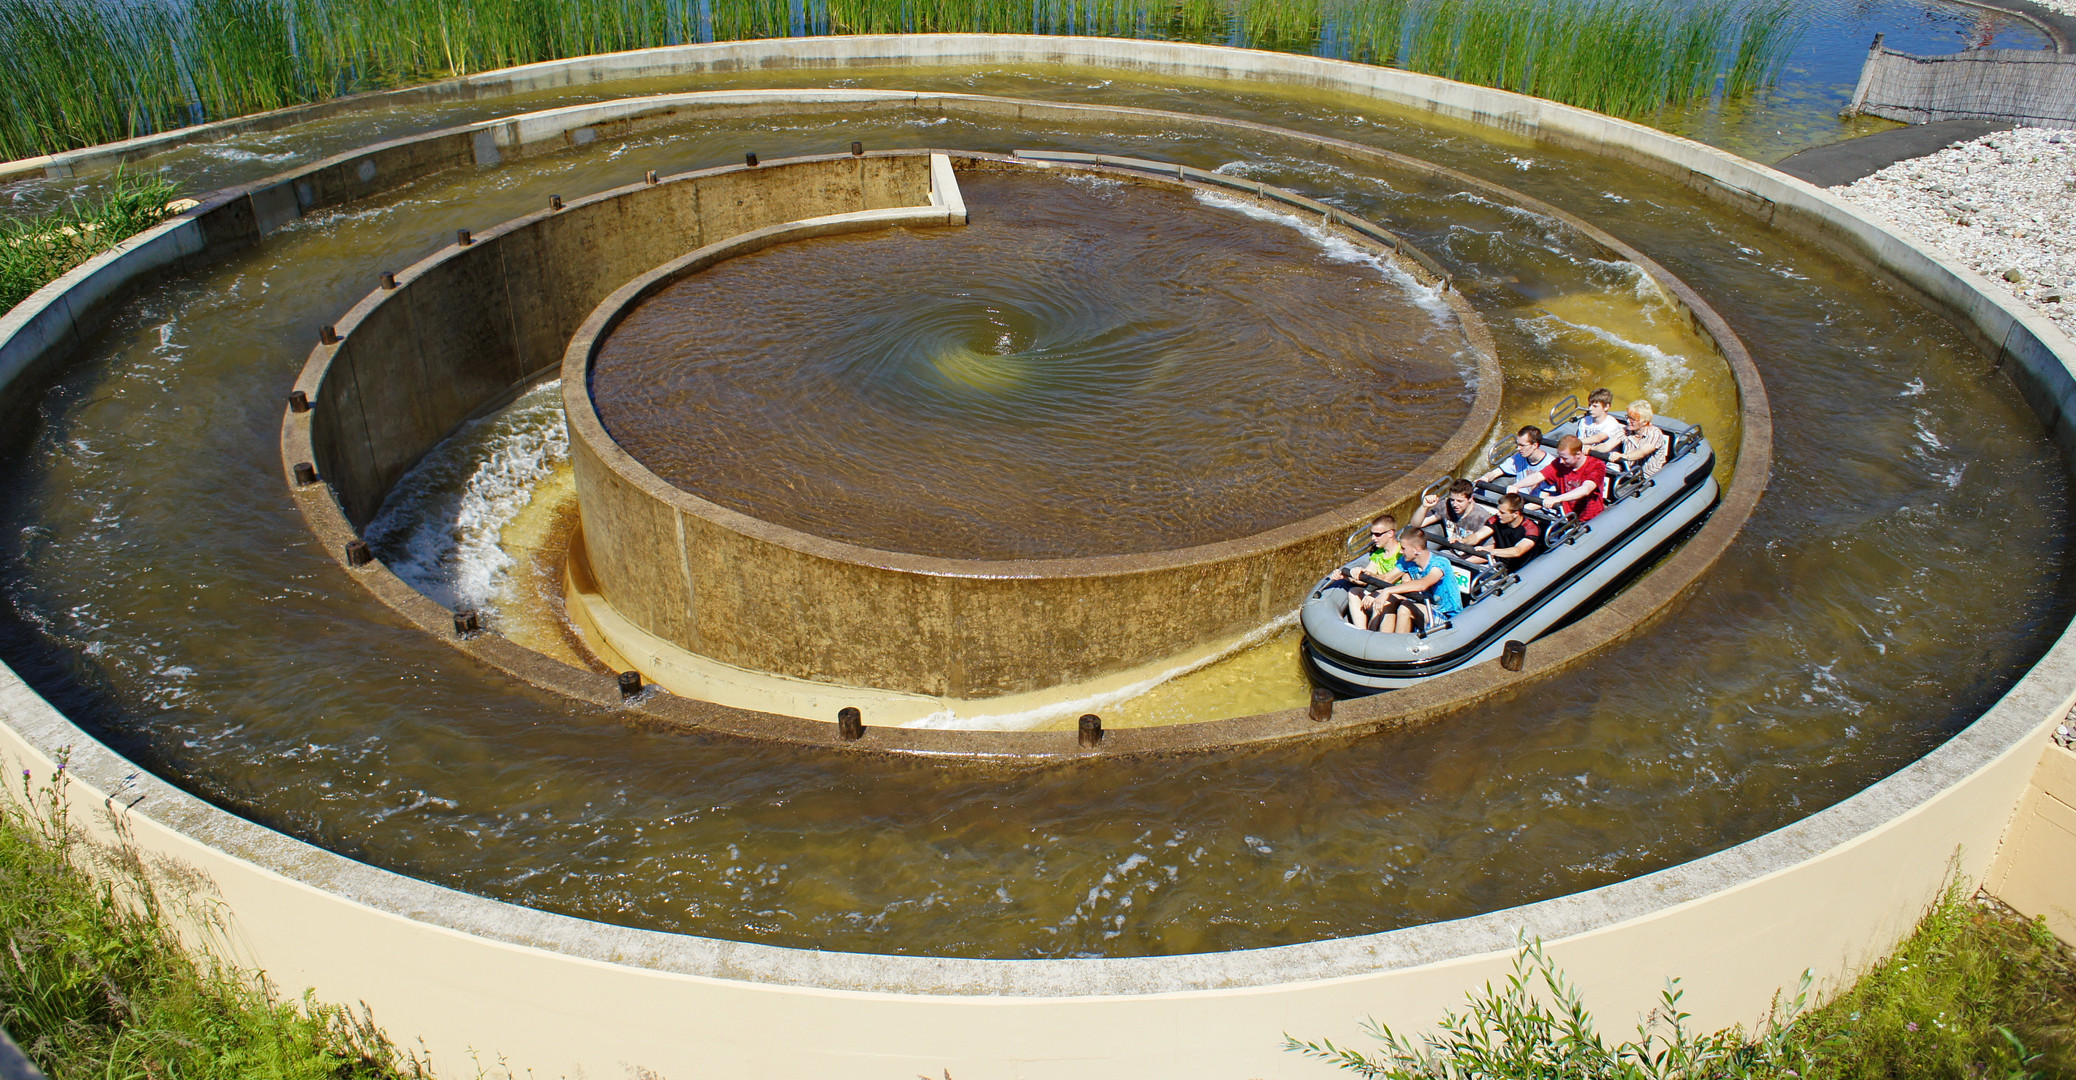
[(1818, 665)]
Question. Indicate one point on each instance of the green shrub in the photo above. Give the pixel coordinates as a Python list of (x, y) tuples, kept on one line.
[(1523, 1031), (1976, 993)]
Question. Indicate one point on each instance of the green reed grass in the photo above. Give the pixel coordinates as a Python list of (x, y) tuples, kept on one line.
[(35, 251), (94, 982), (79, 72)]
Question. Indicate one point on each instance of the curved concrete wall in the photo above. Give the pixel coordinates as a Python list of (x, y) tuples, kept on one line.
[(768, 598), (481, 981)]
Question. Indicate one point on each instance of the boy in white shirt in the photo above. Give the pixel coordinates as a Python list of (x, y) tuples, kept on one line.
[(1601, 433)]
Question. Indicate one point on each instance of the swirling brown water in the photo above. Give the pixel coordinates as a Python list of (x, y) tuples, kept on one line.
[(1089, 367), (163, 590)]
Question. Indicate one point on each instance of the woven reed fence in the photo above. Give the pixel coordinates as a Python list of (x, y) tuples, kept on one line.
[(2028, 87)]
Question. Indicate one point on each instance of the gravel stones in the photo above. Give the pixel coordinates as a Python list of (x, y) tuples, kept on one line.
[(2001, 204)]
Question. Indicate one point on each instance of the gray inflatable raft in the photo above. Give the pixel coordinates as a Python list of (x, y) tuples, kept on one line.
[(1580, 564)]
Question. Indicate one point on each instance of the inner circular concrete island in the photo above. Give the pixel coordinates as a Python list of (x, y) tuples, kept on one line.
[(1099, 419)]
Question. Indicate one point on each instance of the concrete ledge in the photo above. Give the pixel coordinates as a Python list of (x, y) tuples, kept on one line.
[(482, 980)]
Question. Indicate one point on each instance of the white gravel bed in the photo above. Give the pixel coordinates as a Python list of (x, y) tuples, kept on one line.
[(2004, 204)]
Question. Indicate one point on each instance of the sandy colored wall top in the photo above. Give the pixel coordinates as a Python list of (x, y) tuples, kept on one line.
[(483, 981)]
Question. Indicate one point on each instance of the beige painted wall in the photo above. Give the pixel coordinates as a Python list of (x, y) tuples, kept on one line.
[(2035, 870), (559, 996)]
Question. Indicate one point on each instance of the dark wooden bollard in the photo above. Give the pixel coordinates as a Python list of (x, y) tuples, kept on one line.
[(651, 177), (630, 684), (328, 334), (1513, 655), (1091, 729), (554, 202), (306, 474), (298, 401), (857, 149), (750, 160), (462, 237), (388, 280), (466, 623), (1322, 704), (357, 553), (850, 723)]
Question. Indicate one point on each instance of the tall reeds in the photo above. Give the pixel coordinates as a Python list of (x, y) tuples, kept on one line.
[(78, 72)]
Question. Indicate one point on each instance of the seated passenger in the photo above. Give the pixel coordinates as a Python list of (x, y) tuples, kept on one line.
[(1380, 569), (1516, 538), (1601, 433), (1646, 442), (1428, 595), (1577, 476), (1528, 457), (1463, 521)]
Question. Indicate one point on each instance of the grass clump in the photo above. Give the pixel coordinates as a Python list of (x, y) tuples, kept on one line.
[(36, 251), (81, 72), (94, 982), (1976, 993)]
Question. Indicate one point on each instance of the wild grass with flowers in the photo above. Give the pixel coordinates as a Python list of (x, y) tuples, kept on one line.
[(80, 72), (1976, 993), (95, 982)]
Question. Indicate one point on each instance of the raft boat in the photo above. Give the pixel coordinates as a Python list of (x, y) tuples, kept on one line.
[(1578, 564)]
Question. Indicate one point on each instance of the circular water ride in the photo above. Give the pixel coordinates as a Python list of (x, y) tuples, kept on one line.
[(1558, 703)]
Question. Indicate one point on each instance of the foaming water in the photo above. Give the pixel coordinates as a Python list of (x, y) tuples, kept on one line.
[(163, 590), (1087, 368), (440, 526)]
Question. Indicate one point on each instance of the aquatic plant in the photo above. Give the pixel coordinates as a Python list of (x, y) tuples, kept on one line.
[(35, 251), (80, 72)]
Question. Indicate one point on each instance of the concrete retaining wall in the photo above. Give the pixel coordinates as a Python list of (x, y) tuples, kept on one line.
[(482, 981)]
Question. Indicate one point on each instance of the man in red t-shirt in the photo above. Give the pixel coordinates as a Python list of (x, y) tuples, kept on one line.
[(1576, 475)]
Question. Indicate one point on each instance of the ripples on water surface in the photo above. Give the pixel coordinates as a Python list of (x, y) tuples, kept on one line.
[(1088, 368), (162, 589)]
